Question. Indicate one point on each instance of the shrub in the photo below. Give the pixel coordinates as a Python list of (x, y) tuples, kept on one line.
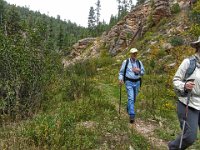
[(175, 8), (195, 15), (176, 41), (195, 30)]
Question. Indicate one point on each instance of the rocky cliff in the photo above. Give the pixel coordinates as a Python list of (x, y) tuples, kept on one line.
[(125, 32)]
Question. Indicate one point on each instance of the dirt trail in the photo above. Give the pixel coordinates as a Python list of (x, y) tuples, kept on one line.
[(146, 129)]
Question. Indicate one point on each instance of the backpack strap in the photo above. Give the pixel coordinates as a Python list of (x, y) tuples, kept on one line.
[(138, 63), (127, 61), (191, 67)]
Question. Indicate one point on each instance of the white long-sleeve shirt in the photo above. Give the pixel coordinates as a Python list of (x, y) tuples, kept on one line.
[(179, 83)]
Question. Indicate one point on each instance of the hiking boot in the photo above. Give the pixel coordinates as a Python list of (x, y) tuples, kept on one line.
[(132, 121)]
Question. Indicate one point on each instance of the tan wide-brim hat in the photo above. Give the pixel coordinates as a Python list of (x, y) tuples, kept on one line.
[(133, 50), (196, 43)]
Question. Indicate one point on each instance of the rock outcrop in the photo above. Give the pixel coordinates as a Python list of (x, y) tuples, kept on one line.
[(80, 46), (161, 10), (123, 34), (126, 30)]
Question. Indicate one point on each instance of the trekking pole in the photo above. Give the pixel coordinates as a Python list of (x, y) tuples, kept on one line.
[(185, 117), (120, 97)]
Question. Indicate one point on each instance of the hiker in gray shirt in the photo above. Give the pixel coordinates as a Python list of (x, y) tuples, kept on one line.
[(188, 105)]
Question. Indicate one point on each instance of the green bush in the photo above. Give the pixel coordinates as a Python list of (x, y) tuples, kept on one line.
[(195, 15), (176, 41), (175, 8), (25, 73)]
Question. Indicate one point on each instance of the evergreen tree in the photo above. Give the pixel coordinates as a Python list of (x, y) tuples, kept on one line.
[(60, 38), (91, 19), (125, 5), (98, 8), (113, 21), (140, 2), (51, 35), (13, 25), (119, 7), (130, 5), (2, 9)]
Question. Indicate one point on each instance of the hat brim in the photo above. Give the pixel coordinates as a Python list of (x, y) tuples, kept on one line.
[(195, 44)]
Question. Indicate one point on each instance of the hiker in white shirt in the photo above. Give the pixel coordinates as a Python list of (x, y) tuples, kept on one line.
[(188, 107)]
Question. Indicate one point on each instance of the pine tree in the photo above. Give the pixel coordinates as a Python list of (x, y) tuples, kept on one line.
[(2, 9), (125, 5), (91, 18), (60, 38), (140, 2), (130, 5), (119, 7), (98, 8), (13, 25)]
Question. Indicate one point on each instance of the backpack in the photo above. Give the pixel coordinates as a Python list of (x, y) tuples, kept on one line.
[(189, 72), (191, 67), (138, 64)]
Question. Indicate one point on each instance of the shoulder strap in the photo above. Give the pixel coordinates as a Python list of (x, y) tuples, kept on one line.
[(191, 67), (138, 63), (127, 61)]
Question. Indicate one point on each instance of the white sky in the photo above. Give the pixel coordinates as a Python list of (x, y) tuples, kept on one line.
[(74, 10)]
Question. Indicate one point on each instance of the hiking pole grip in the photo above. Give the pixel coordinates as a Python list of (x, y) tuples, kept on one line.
[(189, 92)]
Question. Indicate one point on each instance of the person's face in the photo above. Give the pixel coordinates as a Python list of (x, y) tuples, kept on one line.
[(133, 55)]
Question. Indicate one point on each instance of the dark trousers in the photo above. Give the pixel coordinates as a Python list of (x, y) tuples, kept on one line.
[(191, 127)]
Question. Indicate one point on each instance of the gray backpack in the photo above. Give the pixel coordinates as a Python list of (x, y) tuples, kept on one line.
[(188, 73), (191, 67)]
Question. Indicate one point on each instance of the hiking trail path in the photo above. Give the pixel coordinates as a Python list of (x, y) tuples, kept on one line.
[(146, 129)]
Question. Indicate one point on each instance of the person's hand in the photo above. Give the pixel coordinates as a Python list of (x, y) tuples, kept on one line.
[(189, 85), (121, 82), (136, 70)]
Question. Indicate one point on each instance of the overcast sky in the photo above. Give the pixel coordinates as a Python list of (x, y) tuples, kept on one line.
[(74, 10)]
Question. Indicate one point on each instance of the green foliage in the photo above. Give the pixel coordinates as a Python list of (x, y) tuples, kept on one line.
[(195, 30), (195, 15), (175, 8), (25, 73), (150, 21), (176, 41), (162, 22), (75, 125), (139, 2), (79, 83)]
